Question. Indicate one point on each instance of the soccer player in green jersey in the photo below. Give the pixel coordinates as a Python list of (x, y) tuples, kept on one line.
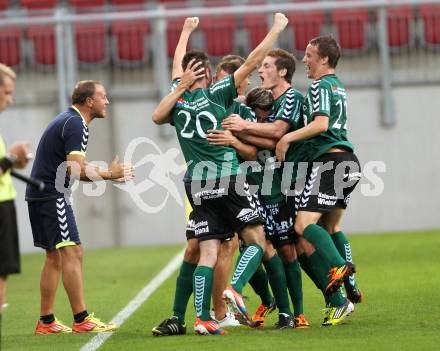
[(219, 210), (175, 325), (334, 162), (276, 74)]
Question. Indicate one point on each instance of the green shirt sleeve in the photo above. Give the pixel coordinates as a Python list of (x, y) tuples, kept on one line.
[(223, 92), (321, 95), (246, 113), (174, 84), (291, 109)]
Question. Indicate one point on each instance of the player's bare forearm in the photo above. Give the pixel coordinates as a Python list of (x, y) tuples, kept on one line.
[(274, 130), (189, 26), (245, 151), (162, 113), (258, 54), (265, 143), (317, 126), (80, 168)]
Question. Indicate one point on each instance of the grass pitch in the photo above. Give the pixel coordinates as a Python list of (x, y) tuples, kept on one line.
[(398, 273)]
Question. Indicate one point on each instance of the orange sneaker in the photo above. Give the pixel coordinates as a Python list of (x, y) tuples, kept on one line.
[(56, 327), (93, 325), (336, 276), (208, 327), (300, 322), (262, 312)]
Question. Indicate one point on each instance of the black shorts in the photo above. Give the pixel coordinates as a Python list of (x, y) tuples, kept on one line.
[(218, 210), (279, 222), (9, 249), (330, 180), (53, 224)]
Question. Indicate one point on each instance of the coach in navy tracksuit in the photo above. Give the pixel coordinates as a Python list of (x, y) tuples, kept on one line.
[(60, 155)]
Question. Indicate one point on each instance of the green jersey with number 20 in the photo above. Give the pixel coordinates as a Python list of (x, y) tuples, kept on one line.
[(327, 97), (194, 114)]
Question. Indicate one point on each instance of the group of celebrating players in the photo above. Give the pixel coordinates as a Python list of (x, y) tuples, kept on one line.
[(270, 172)]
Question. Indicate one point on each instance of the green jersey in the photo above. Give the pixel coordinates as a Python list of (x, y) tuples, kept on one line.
[(288, 108), (241, 109), (327, 97), (194, 114)]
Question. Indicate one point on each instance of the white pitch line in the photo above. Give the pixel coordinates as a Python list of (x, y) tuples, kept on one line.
[(134, 304)]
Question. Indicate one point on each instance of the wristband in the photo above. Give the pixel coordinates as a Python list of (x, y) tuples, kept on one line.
[(7, 162)]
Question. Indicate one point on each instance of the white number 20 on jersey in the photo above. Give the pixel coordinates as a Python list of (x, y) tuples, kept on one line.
[(188, 134)]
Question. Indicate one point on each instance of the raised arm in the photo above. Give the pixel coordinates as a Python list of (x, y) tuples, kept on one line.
[(258, 54), (189, 26)]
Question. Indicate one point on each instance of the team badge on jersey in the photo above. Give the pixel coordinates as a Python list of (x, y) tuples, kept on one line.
[(180, 102)]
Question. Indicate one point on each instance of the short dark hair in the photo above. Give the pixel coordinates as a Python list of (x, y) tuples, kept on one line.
[(260, 98), (328, 47), (83, 89), (284, 60), (229, 64), (199, 56)]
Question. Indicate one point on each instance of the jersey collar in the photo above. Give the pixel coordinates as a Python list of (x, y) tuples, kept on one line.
[(84, 121)]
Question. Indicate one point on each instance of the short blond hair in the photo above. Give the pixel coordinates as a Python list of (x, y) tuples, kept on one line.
[(6, 71)]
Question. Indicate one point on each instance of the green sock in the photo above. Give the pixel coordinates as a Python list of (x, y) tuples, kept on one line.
[(202, 291), (260, 284), (248, 263), (343, 245), (277, 279), (320, 269), (336, 299), (307, 267), (320, 238), (294, 283), (184, 289)]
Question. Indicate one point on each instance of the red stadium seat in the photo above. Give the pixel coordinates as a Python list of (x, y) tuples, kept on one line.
[(88, 4), (10, 45), (130, 40), (351, 26), (306, 26), (219, 33), (91, 45), (257, 27), (174, 26), (4, 4), (38, 4), (430, 15), (399, 19), (42, 37), (43, 42), (91, 37), (130, 36), (127, 2)]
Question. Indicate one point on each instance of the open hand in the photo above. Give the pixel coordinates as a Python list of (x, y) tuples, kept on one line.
[(234, 123), (221, 137), (21, 151)]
